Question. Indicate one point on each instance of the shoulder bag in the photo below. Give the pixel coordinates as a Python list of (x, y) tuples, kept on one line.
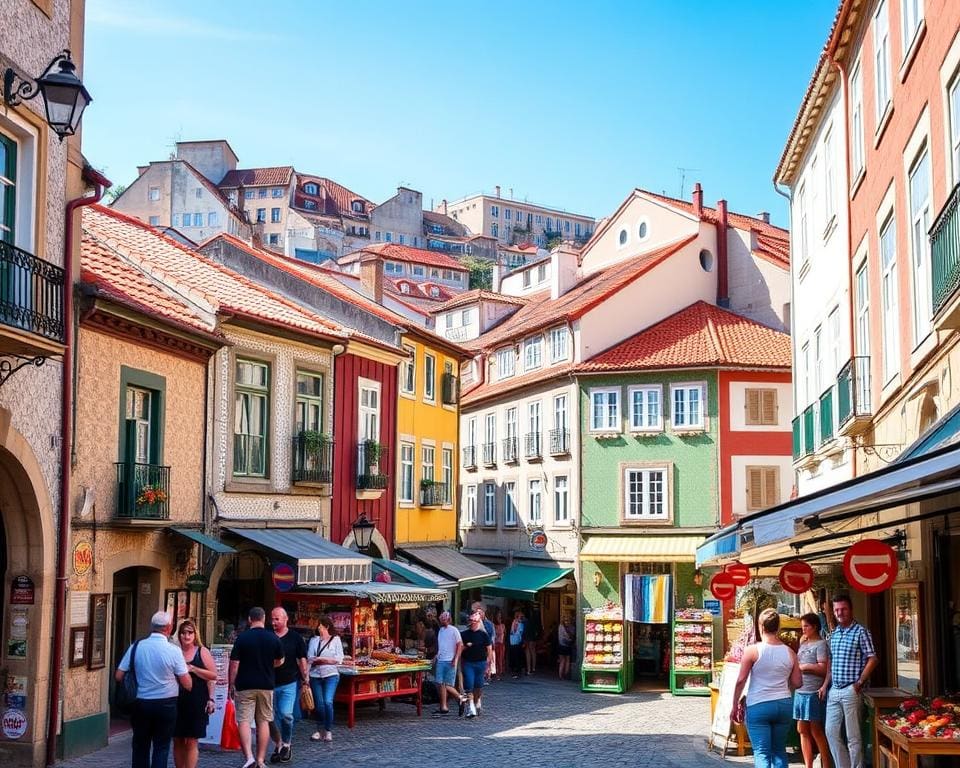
[(125, 694)]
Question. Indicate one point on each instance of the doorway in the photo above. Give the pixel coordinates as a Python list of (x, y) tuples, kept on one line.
[(242, 585), (135, 598)]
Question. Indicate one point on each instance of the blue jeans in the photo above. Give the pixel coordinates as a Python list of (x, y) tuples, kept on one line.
[(323, 689), (768, 723), (843, 712), (153, 721), (284, 697), (473, 672)]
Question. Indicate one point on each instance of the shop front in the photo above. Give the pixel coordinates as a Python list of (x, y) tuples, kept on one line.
[(469, 575)]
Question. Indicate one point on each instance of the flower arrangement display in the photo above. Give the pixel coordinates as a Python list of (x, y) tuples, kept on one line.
[(150, 495)]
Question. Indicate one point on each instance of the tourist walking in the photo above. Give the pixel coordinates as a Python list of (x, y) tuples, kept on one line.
[(852, 660), (476, 658), (194, 706), (809, 709), (565, 643), (515, 647), (324, 653), (288, 678), (256, 654), (449, 647), (161, 672), (499, 647), (532, 629), (773, 671)]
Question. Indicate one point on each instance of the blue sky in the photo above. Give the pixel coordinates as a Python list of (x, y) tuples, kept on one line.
[(566, 103)]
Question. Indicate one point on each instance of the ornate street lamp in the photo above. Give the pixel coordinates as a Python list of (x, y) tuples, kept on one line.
[(64, 95), (363, 532)]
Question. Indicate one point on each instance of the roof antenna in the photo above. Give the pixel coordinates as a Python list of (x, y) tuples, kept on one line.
[(683, 177)]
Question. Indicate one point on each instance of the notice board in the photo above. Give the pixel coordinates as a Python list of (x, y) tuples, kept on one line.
[(721, 728)]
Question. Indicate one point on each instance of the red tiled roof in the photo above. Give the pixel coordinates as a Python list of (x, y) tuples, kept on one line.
[(338, 198), (488, 389), (407, 253), (540, 310), (214, 190), (477, 294), (276, 176), (172, 262), (699, 336)]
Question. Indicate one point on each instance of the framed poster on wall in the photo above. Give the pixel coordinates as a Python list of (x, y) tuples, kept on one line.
[(78, 646), (177, 604), (97, 654)]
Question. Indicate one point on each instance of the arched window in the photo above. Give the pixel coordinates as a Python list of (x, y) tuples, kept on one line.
[(623, 237), (642, 230), (706, 260)]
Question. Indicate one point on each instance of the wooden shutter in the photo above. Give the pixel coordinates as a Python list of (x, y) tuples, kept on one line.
[(771, 486), (768, 406), (752, 406), (763, 487), (754, 488)]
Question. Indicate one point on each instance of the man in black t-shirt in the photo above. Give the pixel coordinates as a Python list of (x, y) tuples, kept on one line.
[(475, 659), (287, 675), (255, 655)]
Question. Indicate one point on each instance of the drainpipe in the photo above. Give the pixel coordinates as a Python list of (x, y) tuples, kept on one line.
[(100, 184), (723, 291)]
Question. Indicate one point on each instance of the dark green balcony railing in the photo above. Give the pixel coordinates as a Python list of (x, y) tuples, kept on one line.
[(809, 436), (31, 293), (945, 251), (312, 458), (826, 416), (372, 464), (797, 438), (853, 390), (432, 494), (143, 491)]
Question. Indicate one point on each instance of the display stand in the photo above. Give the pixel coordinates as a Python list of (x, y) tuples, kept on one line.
[(894, 750), (603, 666), (385, 683), (691, 663)]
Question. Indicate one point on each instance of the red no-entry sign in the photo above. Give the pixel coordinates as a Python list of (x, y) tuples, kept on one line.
[(796, 577), (739, 572), (870, 566), (722, 586)]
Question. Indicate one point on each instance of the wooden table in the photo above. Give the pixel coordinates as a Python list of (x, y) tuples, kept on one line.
[(380, 684), (903, 752), (878, 700)]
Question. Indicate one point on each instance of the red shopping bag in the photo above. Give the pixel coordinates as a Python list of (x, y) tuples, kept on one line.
[(230, 734)]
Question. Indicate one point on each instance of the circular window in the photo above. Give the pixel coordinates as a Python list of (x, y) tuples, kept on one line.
[(642, 230), (706, 260), (623, 237)]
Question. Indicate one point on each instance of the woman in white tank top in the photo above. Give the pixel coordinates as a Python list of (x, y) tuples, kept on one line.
[(773, 671)]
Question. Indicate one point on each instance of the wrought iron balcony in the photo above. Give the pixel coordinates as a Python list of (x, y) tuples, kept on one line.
[(372, 464), (534, 449), (853, 395), (143, 491), (559, 442), (31, 294), (489, 454), (945, 262), (312, 458), (432, 493), (826, 417), (470, 457), (450, 389), (510, 450)]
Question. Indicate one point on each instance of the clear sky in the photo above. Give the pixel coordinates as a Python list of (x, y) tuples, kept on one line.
[(571, 104)]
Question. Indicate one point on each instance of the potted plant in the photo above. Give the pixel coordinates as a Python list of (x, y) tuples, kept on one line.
[(151, 496), (313, 440), (372, 451)]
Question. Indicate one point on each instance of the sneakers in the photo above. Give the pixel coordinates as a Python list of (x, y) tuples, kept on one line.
[(463, 706), (473, 712), (286, 753), (316, 736), (479, 706), (275, 757)]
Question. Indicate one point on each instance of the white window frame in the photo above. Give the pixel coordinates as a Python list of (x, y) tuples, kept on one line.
[(153, 194), (506, 363), (953, 116), (863, 309), (858, 156), (920, 221), (686, 388), (818, 360), (911, 17), (535, 500), (532, 353), (889, 301), (470, 506), (804, 218), (559, 344), (609, 401), (406, 472), (489, 504), (490, 430), (428, 462), (446, 456), (833, 335), (641, 421), (368, 416), (561, 500), (429, 377), (637, 503), (560, 413), (829, 197), (408, 372), (881, 62), (510, 422), (807, 373), (510, 503)]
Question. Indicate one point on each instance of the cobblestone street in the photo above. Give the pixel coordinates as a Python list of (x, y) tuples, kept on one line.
[(531, 722)]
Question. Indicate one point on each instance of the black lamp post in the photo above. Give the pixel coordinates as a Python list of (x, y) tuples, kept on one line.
[(64, 95), (363, 532)]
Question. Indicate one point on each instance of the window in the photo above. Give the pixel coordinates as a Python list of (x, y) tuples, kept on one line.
[(261, 215), (510, 503), (448, 320), (446, 457), (8, 189), (510, 421), (489, 504), (470, 506), (408, 371), (139, 409), (356, 206), (273, 239), (493, 229), (406, 472), (645, 408), (954, 98), (576, 229), (176, 216), (863, 311), (828, 159), (213, 219), (804, 222), (623, 237), (807, 371), (856, 119), (310, 188), (427, 460), (309, 405), (818, 360), (561, 500), (404, 288), (912, 11), (388, 236), (833, 331), (198, 193), (645, 494), (506, 363), (417, 270), (369, 413), (154, 194), (532, 353), (536, 512), (198, 219), (881, 52), (506, 214), (465, 317), (527, 278), (377, 235), (642, 230), (489, 436), (429, 377), (605, 410), (457, 277), (533, 428), (393, 268), (541, 273), (549, 225), (434, 272), (560, 412), (248, 194), (919, 189), (276, 192), (888, 298), (402, 238), (275, 215), (251, 418), (687, 406), (760, 406), (261, 193), (154, 221), (763, 487), (494, 211), (558, 344)]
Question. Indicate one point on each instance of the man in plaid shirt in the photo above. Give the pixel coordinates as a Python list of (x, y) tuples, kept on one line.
[(852, 659)]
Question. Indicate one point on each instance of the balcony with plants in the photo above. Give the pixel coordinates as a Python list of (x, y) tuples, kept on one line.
[(312, 458), (31, 304), (143, 492), (372, 466), (433, 493)]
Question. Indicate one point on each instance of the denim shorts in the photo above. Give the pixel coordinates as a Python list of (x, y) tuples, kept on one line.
[(808, 707), (473, 672), (446, 673)]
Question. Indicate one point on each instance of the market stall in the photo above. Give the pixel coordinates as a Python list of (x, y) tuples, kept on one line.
[(917, 728)]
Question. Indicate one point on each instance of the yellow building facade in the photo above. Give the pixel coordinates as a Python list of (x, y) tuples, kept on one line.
[(427, 440)]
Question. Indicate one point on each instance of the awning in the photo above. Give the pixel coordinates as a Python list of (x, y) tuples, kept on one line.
[(522, 582), (318, 561), (411, 574), (378, 592), (944, 433), (651, 549), (437, 580), (724, 543), (447, 561), (208, 541)]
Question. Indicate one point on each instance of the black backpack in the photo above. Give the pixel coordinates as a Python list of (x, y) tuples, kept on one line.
[(125, 694)]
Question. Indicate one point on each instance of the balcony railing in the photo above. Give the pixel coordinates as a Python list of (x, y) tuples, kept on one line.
[(534, 449), (470, 457), (372, 464), (31, 293), (797, 437), (559, 442), (450, 389), (809, 430), (945, 251), (826, 417), (143, 491), (510, 450), (312, 458), (853, 390), (432, 494), (489, 454)]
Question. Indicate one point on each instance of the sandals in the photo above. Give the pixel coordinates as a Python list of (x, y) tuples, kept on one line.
[(316, 736)]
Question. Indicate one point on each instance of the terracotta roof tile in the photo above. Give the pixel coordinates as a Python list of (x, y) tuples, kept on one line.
[(335, 199), (699, 336), (477, 294), (407, 253), (276, 176), (213, 189), (489, 389)]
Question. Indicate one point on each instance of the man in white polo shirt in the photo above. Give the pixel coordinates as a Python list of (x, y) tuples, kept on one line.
[(160, 671), (449, 646)]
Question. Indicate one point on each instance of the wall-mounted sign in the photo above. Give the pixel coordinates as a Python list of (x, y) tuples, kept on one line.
[(14, 723), (538, 540), (82, 558), (739, 572), (713, 606), (197, 582), (284, 577), (870, 566), (22, 591), (796, 577), (722, 586)]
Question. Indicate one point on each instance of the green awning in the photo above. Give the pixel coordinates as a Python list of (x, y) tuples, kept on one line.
[(522, 582), (405, 572), (208, 541)]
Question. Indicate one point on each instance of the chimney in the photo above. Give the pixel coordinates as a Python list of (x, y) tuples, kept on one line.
[(142, 169), (764, 216), (371, 276), (443, 206), (497, 188), (241, 202), (723, 294), (499, 270), (563, 269), (698, 199)]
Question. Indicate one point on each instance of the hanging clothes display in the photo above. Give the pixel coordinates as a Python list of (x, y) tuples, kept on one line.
[(646, 598)]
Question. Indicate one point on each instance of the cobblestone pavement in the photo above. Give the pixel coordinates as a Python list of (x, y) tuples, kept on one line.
[(530, 722)]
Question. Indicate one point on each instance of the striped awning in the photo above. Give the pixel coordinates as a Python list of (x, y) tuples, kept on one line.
[(647, 549)]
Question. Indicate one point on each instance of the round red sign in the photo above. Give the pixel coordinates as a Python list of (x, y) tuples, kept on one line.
[(722, 586), (739, 572), (796, 577), (283, 577), (870, 566)]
